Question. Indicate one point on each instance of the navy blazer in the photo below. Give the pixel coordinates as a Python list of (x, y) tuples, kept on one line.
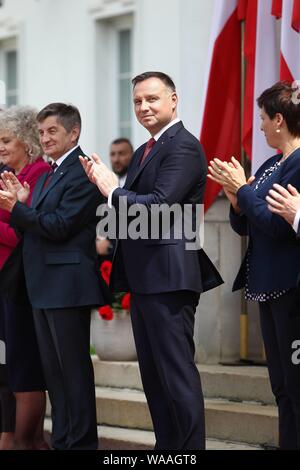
[(274, 247), (173, 172), (59, 255)]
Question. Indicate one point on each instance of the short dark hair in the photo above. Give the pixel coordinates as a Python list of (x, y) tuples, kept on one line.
[(278, 99), (122, 140), (162, 76), (67, 115)]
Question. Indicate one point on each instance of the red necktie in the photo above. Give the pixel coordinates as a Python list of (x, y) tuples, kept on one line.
[(50, 174), (148, 148)]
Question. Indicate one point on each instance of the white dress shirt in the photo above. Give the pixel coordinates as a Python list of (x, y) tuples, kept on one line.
[(63, 157), (296, 221)]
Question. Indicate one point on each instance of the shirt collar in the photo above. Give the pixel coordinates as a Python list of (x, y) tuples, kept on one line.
[(160, 133), (65, 155)]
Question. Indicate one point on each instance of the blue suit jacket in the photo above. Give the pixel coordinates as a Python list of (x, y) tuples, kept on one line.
[(59, 255), (173, 172), (275, 249)]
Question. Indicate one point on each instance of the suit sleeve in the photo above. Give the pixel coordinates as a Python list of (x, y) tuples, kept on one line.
[(238, 222), (180, 170), (257, 212), (77, 208)]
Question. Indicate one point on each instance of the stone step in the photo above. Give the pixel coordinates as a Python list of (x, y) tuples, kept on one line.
[(114, 438), (238, 383), (252, 423)]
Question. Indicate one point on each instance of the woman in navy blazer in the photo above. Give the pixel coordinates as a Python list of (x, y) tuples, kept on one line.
[(270, 269)]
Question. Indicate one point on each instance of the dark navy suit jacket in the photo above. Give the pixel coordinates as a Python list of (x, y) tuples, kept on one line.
[(274, 246), (59, 255), (173, 172)]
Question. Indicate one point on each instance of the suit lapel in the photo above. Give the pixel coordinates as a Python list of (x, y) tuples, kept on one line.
[(134, 167), (158, 146), (38, 188), (59, 173), (54, 179)]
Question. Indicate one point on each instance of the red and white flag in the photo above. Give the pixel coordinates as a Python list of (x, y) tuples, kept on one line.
[(221, 117), (270, 55), (290, 41)]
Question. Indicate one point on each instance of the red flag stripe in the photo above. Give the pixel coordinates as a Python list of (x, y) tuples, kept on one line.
[(277, 8), (242, 9), (220, 133), (285, 73), (296, 16), (250, 48)]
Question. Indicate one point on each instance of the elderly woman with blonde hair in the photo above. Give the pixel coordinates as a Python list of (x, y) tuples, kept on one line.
[(20, 151)]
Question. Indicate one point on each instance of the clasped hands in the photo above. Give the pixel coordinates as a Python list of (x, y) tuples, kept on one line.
[(12, 191), (231, 176), (99, 174)]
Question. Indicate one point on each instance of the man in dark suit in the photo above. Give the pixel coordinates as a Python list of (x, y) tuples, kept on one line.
[(164, 277), (286, 202), (62, 276)]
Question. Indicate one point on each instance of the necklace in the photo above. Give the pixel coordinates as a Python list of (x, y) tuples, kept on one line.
[(284, 157)]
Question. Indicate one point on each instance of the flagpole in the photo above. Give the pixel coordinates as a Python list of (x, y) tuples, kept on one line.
[(244, 306)]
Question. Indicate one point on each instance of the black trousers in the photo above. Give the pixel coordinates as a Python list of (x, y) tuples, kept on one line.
[(280, 323), (7, 404), (163, 327), (64, 342)]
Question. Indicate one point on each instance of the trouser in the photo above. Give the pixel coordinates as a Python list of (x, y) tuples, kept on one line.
[(280, 323), (64, 342), (163, 327)]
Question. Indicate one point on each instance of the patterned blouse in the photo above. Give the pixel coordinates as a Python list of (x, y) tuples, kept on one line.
[(264, 296)]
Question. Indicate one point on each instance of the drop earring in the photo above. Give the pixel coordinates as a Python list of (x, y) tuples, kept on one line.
[(278, 130)]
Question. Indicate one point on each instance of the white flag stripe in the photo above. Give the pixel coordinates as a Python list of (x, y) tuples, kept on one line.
[(290, 40), (266, 74)]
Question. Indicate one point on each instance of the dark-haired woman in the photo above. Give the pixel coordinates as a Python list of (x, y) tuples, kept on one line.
[(270, 269)]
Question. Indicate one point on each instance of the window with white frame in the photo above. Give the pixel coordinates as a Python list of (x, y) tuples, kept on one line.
[(124, 82), (9, 70), (114, 69)]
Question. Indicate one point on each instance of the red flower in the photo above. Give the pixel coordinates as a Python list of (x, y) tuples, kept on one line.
[(105, 270), (125, 302), (106, 312)]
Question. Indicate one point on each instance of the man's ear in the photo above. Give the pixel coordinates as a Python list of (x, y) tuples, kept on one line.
[(174, 98), (75, 134)]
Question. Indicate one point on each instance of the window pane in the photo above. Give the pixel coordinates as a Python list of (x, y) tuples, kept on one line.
[(125, 132), (125, 100), (11, 70), (125, 51), (10, 100)]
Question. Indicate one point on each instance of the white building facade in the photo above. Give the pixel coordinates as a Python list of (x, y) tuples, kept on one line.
[(85, 52)]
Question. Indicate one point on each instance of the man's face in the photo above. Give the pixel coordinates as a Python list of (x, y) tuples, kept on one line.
[(54, 138), (154, 104), (120, 156)]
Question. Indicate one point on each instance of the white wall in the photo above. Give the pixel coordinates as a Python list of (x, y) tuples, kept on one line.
[(172, 36), (56, 55), (63, 57)]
